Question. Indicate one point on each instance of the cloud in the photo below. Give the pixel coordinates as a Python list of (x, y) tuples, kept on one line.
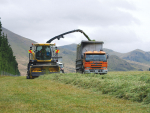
[(43, 19)]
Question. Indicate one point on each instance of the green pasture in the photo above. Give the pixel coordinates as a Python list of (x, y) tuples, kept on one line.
[(134, 85), (76, 93)]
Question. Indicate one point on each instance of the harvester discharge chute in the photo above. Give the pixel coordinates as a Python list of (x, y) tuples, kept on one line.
[(62, 35), (40, 60)]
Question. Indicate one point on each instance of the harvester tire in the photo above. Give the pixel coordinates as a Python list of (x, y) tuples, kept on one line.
[(28, 77)]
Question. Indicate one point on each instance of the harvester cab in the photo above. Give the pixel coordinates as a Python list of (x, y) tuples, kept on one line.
[(41, 60)]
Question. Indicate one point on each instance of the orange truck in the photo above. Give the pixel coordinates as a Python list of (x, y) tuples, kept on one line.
[(90, 58)]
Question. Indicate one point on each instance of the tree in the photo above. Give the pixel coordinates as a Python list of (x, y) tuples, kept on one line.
[(8, 62), (0, 28)]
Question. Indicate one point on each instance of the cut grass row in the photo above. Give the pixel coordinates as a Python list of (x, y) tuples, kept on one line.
[(20, 95), (133, 86)]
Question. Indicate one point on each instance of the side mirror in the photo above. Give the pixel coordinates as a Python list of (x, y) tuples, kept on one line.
[(107, 56), (82, 56), (30, 47)]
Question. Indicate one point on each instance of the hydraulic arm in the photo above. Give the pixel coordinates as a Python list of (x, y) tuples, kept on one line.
[(62, 35)]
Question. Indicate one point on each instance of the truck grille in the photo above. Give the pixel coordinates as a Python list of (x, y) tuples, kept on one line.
[(92, 70), (96, 63), (95, 67)]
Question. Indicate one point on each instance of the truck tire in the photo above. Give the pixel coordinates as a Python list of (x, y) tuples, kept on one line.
[(83, 70), (62, 71)]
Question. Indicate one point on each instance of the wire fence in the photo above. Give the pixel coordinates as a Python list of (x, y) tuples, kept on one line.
[(3, 73)]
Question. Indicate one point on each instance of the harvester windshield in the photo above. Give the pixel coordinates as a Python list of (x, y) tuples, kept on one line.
[(43, 53), (94, 57)]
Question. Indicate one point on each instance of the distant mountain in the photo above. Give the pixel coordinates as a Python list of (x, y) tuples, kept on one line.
[(111, 52), (135, 55), (117, 64), (71, 47), (138, 56)]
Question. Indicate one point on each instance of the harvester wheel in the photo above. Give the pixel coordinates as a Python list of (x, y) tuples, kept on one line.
[(62, 71), (28, 77)]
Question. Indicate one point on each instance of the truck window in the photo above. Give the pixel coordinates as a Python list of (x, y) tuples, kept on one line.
[(43, 53), (101, 57)]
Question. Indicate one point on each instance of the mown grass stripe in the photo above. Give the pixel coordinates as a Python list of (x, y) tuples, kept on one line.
[(133, 86)]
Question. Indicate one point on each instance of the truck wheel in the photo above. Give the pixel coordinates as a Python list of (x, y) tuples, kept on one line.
[(83, 71)]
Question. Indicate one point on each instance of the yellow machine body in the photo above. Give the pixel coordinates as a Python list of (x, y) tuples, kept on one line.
[(40, 60)]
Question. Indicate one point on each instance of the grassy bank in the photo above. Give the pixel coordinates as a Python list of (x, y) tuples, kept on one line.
[(21, 95), (133, 86)]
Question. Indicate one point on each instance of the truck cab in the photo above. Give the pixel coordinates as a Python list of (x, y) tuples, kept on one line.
[(95, 62)]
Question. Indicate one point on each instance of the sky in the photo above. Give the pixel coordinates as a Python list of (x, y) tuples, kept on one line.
[(123, 25)]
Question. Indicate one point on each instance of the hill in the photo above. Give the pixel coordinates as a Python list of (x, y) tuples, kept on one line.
[(137, 56), (71, 47), (117, 64), (111, 52)]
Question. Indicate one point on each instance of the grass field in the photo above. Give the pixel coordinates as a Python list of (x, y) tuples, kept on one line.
[(133, 86), (73, 93)]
